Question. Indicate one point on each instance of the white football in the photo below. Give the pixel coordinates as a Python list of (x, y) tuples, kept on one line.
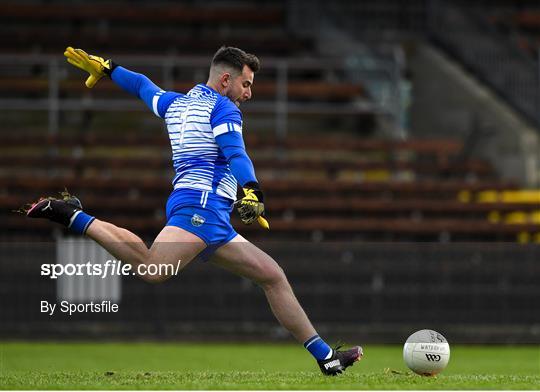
[(426, 352)]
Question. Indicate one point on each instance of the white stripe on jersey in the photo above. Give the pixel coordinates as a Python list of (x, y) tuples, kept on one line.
[(197, 159), (227, 127), (204, 199), (155, 100)]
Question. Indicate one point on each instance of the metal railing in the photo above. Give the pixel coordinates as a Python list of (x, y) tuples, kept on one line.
[(384, 61), (371, 20), (281, 72)]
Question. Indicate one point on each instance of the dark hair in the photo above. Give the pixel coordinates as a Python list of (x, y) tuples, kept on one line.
[(236, 58)]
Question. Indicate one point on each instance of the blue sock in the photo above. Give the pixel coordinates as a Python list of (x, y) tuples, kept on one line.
[(318, 348), (79, 222)]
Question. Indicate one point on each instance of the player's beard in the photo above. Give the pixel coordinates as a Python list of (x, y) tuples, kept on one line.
[(235, 100)]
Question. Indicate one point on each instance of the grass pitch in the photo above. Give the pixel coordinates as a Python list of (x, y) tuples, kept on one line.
[(250, 366)]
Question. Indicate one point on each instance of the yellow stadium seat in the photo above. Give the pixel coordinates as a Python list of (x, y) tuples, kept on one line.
[(487, 197), (494, 217), (464, 196), (516, 218), (521, 196), (523, 237)]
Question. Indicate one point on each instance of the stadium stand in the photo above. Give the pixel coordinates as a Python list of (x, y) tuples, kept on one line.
[(344, 187), (333, 91), (366, 228), (374, 190), (522, 23), (155, 28), (489, 42)]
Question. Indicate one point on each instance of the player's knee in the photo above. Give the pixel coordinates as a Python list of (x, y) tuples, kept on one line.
[(272, 276), (153, 272)]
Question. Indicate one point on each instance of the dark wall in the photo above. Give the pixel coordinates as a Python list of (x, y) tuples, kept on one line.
[(380, 292)]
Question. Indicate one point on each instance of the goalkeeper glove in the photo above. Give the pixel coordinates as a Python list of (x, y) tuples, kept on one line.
[(251, 206), (96, 66)]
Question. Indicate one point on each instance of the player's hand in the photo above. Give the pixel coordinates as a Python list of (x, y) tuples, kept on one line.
[(96, 66), (251, 206)]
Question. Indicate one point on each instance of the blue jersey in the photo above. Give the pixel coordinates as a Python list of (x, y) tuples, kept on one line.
[(194, 120), (205, 131)]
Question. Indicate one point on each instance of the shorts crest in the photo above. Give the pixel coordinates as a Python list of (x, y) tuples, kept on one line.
[(197, 220)]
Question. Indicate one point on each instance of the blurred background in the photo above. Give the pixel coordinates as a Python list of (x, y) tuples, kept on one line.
[(397, 143)]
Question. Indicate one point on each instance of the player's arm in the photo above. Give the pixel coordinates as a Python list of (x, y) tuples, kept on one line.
[(134, 83), (143, 88), (251, 206), (226, 124)]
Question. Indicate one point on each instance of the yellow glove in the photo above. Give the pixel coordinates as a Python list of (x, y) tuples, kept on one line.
[(251, 207), (96, 66), (263, 222)]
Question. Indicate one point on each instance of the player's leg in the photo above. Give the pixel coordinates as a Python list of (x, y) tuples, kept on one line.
[(172, 245), (245, 259)]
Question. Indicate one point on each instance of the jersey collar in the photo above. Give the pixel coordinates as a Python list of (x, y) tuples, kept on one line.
[(208, 88)]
